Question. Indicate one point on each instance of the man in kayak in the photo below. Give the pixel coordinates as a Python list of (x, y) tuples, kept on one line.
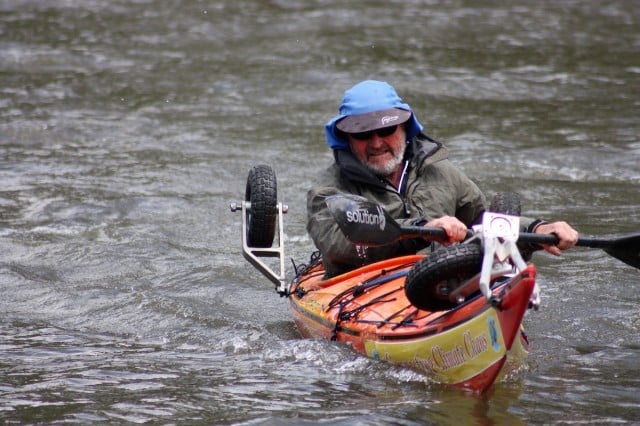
[(382, 154)]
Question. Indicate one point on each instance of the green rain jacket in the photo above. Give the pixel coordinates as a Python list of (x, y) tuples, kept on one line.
[(433, 187)]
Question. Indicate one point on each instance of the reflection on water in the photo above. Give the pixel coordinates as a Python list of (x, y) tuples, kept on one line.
[(126, 129)]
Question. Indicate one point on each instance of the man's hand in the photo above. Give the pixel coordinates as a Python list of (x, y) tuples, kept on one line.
[(456, 230), (567, 236)]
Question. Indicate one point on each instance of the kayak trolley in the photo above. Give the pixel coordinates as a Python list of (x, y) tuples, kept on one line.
[(261, 217)]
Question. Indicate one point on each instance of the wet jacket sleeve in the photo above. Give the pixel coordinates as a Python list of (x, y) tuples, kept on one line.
[(337, 251)]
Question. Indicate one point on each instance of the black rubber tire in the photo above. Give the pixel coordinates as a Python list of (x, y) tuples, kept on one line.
[(262, 193), (507, 203), (432, 279)]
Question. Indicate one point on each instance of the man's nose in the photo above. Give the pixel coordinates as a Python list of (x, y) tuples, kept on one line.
[(375, 140)]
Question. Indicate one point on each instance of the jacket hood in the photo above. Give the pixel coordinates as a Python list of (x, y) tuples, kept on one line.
[(364, 97)]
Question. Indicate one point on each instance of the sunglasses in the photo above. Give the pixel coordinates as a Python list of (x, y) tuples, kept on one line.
[(384, 132)]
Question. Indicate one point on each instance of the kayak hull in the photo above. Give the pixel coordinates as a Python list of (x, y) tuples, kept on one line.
[(469, 346)]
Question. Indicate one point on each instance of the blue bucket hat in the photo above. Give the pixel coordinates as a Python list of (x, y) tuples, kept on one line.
[(370, 105)]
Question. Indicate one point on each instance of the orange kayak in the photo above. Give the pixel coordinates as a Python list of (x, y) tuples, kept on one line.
[(468, 346), (454, 315)]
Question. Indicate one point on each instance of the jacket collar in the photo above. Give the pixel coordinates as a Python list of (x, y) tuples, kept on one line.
[(421, 151)]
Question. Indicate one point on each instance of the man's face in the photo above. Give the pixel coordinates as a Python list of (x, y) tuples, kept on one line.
[(380, 151)]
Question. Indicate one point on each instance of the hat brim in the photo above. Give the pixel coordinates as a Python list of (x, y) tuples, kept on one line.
[(373, 120)]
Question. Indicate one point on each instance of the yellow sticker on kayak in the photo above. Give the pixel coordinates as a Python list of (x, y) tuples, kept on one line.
[(451, 356)]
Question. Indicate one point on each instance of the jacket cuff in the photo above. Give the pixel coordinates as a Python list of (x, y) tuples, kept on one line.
[(532, 227), (421, 221)]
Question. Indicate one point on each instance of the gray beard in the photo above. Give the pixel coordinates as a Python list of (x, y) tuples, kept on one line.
[(390, 167)]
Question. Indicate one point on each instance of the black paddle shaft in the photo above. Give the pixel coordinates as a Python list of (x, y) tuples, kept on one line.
[(366, 223)]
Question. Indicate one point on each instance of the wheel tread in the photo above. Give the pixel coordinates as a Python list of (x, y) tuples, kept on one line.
[(261, 192)]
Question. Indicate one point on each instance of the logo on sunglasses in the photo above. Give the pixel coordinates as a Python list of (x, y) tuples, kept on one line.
[(389, 119)]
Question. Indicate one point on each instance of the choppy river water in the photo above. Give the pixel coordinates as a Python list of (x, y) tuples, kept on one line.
[(127, 128)]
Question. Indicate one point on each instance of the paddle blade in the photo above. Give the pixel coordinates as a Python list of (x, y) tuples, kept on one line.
[(626, 249), (363, 222)]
